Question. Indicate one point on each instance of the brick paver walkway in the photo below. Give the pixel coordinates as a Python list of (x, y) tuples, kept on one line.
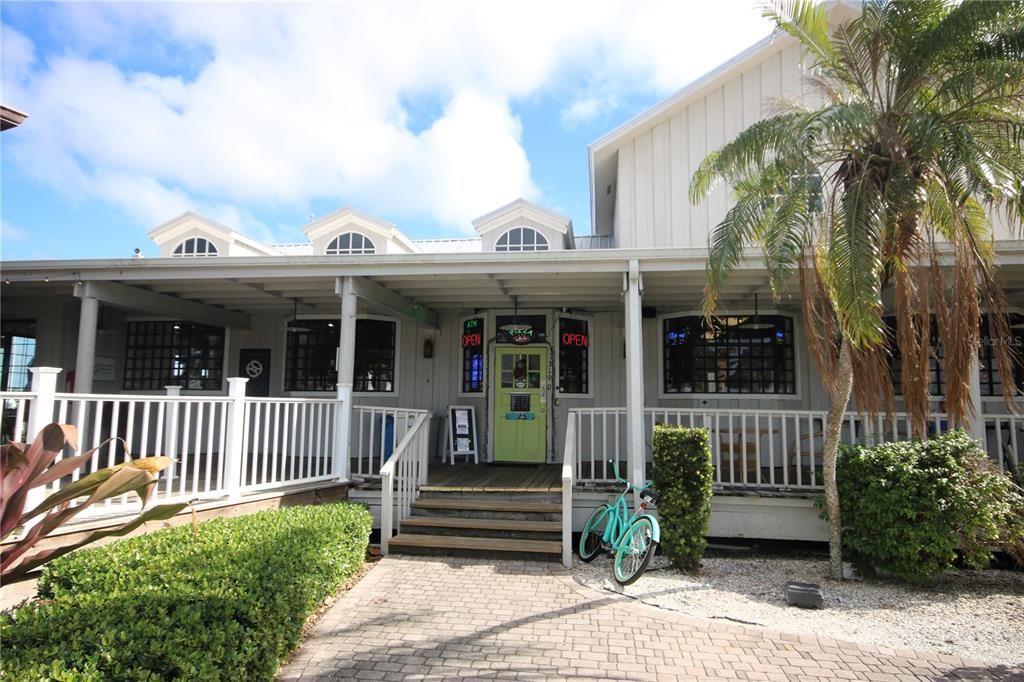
[(429, 618)]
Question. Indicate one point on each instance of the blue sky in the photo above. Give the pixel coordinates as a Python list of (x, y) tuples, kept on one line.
[(262, 115)]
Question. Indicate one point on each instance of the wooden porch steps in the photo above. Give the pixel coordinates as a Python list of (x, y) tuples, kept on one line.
[(483, 524), (483, 504), (491, 524)]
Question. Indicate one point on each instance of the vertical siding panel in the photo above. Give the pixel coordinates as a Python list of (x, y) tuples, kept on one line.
[(717, 201), (662, 182), (792, 73), (771, 84), (644, 198), (625, 198), (697, 150), (681, 173), (752, 96)]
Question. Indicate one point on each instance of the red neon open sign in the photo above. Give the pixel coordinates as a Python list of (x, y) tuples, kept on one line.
[(575, 339), (472, 340)]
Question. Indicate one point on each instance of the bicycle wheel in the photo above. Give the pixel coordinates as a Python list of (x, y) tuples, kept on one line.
[(593, 533), (635, 552)]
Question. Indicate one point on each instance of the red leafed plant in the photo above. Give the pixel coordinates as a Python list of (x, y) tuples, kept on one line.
[(27, 466)]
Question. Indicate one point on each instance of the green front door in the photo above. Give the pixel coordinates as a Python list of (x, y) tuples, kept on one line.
[(520, 404)]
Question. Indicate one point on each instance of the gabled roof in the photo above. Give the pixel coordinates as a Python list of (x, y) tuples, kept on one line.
[(352, 217), (521, 208), (190, 221)]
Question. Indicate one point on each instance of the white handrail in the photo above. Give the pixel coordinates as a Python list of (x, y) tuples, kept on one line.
[(568, 460), (407, 467)]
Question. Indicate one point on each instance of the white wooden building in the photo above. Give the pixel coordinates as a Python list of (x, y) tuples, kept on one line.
[(355, 342)]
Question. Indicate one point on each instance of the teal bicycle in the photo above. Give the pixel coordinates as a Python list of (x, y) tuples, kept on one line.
[(631, 539)]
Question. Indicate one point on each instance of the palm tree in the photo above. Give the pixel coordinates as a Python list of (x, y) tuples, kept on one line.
[(886, 186)]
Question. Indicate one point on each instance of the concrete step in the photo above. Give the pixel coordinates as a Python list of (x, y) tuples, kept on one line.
[(449, 545), (477, 527)]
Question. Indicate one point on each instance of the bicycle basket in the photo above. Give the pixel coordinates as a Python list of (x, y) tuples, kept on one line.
[(649, 497)]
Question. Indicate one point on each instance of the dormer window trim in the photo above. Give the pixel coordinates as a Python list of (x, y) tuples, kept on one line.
[(195, 247), (520, 239), (356, 244)]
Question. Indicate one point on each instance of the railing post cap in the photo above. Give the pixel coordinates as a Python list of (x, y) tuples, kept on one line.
[(173, 390), (238, 380), (45, 370)]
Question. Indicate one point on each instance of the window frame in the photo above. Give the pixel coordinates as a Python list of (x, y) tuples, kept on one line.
[(522, 230), (938, 371), (282, 375), (350, 251), (195, 238), (460, 357), (5, 365), (589, 319), (185, 390), (1018, 361), (798, 358)]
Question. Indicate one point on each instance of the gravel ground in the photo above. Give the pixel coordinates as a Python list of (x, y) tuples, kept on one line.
[(974, 614)]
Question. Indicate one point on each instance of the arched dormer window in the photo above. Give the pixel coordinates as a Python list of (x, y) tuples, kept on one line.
[(194, 246), (350, 244), (521, 239)]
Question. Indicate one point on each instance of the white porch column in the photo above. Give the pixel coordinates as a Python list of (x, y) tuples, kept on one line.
[(976, 425), (634, 377), (85, 358), (234, 453), (40, 414), (346, 362)]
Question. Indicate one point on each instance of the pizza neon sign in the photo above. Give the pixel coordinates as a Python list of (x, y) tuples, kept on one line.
[(519, 334)]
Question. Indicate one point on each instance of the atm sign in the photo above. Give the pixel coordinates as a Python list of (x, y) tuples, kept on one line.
[(575, 339)]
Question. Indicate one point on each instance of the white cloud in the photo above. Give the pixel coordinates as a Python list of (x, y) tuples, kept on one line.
[(11, 232), (281, 105)]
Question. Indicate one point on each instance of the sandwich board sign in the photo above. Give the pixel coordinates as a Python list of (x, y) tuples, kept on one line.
[(462, 436)]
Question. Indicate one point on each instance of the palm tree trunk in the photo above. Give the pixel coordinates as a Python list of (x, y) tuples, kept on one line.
[(833, 429)]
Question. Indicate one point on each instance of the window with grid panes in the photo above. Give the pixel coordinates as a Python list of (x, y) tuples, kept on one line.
[(473, 355), (17, 354), (573, 351), (167, 353), (739, 354), (936, 383), (521, 239), (991, 379), (311, 356)]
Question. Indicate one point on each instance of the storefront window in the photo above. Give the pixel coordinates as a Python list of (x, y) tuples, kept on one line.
[(312, 351), (573, 355), (991, 381), (936, 383), (162, 353), (17, 354), (740, 354), (473, 355)]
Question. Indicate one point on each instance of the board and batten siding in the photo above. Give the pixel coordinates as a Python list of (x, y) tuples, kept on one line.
[(653, 208)]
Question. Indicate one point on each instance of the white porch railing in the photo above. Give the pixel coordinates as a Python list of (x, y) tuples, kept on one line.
[(374, 434), (14, 406), (402, 475), (222, 446), (287, 441), (568, 465), (779, 449)]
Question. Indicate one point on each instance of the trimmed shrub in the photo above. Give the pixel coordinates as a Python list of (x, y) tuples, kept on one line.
[(911, 508), (682, 479), (165, 606)]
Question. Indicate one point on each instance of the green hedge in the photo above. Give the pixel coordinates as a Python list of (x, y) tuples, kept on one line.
[(911, 508), (163, 606), (682, 478)]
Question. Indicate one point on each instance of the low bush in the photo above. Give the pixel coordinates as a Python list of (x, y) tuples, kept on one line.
[(682, 479), (911, 508), (225, 605)]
